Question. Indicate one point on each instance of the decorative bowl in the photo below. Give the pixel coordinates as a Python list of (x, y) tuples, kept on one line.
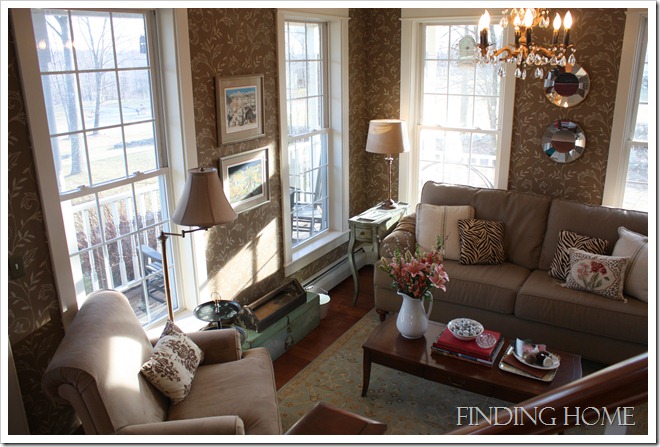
[(465, 328)]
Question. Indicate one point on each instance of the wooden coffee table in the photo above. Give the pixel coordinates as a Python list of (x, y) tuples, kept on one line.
[(385, 346)]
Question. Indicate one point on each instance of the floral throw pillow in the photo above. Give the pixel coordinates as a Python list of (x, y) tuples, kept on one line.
[(173, 363), (567, 240), (602, 275)]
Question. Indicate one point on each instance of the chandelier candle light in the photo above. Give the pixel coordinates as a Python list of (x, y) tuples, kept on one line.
[(525, 52)]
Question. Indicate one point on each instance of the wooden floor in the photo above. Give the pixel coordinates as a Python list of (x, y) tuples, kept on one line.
[(341, 316)]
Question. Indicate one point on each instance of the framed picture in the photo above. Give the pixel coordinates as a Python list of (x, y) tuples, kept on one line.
[(240, 108), (245, 179)]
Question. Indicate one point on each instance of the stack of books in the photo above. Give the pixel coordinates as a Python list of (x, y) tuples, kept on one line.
[(468, 350)]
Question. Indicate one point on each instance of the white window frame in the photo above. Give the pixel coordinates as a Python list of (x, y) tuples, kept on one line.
[(627, 98), (411, 95), (337, 234), (179, 128)]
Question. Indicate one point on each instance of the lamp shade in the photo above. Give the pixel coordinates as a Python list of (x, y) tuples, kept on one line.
[(387, 137), (203, 202)]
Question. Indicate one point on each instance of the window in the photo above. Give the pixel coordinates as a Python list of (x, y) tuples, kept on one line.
[(101, 158), (626, 183), (306, 98), (313, 111), (459, 134)]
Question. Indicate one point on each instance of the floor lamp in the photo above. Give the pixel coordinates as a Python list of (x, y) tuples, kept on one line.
[(203, 204), (388, 137)]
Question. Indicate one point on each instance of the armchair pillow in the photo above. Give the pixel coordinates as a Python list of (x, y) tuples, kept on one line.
[(441, 221), (482, 241), (567, 239), (635, 246), (173, 363), (602, 275)]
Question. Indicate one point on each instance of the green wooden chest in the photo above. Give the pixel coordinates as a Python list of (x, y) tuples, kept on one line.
[(288, 330)]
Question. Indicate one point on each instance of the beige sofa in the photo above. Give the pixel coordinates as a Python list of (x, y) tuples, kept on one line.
[(518, 297), (96, 369)]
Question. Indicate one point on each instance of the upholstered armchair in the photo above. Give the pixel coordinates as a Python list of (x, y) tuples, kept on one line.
[(96, 369)]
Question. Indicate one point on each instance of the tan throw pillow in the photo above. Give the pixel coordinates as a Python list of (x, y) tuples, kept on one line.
[(482, 241), (567, 240), (636, 247), (602, 275), (173, 363), (441, 221)]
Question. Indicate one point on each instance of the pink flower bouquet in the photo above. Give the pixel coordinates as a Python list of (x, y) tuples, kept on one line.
[(415, 274)]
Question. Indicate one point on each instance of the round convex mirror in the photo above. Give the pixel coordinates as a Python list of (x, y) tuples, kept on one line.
[(563, 141), (566, 86)]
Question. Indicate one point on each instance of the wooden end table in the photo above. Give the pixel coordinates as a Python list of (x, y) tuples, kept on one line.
[(369, 228), (385, 346)]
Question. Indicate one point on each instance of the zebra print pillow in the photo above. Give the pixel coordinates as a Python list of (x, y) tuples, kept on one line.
[(482, 241), (561, 263)]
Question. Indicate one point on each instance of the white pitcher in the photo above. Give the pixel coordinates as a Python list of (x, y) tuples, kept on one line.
[(413, 321)]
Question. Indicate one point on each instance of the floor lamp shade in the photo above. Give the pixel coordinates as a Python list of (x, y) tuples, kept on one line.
[(387, 137), (203, 202)]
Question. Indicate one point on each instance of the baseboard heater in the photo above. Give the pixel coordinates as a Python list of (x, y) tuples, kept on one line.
[(335, 273)]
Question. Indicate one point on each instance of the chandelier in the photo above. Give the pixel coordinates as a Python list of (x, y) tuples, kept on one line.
[(525, 52)]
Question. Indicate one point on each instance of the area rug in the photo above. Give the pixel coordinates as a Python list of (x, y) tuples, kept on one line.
[(409, 405)]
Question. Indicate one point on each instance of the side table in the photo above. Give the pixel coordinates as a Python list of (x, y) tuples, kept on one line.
[(369, 228)]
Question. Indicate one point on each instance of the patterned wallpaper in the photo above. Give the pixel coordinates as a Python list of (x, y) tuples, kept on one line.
[(35, 325), (599, 38), (375, 68), (246, 254)]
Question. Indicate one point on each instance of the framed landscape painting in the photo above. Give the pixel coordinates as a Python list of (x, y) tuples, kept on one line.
[(240, 108), (245, 179)]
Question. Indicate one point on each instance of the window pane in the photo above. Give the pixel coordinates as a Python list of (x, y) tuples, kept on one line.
[(435, 77), (106, 155), (461, 78), (136, 102), (636, 192), (92, 38), (435, 110), (296, 41), (437, 42), (62, 106), (486, 112), (70, 160), (150, 200), (118, 211), (297, 80), (313, 41), (53, 36), (298, 117), (140, 147), (131, 44), (82, 223), (461, 110), (99, 99)]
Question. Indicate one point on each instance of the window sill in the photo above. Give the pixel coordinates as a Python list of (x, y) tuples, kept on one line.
[(315, 250)]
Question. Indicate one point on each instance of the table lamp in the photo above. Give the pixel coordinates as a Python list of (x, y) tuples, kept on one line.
[(203, 204), (388, 136)]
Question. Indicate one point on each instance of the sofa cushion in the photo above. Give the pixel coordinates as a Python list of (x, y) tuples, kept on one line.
[(482, 241), (591, 220), (441, 221), (542, 299), (244, 388), (561, 262), (635, 246), (173, 363), (490, 287), (602, 275)]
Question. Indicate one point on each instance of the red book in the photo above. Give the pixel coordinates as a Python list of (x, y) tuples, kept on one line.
[(448, 342)]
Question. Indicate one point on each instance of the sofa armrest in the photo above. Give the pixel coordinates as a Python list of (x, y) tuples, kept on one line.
[(219, 345), (403, 236), (213, 425)]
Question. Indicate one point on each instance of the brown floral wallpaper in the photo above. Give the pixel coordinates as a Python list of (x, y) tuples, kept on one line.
[(34, 321), (375, 68), (598, 35), (246, 255)]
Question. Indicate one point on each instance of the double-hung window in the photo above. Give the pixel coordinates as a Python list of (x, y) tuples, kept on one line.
[(313, 129), (627, 177), (100, 155), (457, 106)]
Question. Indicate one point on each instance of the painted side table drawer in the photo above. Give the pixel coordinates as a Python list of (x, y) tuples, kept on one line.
[(363, 234)]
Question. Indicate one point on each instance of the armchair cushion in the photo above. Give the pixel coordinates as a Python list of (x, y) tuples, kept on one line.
[(214, 425), (173, 363), (219, 345)]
